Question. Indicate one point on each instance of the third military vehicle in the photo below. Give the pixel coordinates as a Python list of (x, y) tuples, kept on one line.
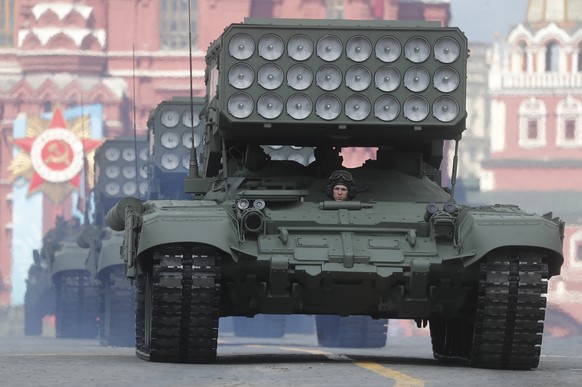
[(261, 235), (119, 171), (68, 287)]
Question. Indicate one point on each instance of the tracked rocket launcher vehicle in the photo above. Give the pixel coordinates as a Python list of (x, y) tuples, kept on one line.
[(261, 236)]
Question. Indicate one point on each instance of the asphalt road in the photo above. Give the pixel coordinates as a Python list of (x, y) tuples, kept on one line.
[(294, 360)]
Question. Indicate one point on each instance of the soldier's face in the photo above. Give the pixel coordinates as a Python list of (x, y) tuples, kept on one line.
[(340, 192)]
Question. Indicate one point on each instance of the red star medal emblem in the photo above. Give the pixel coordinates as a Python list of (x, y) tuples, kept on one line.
[(56, 157)]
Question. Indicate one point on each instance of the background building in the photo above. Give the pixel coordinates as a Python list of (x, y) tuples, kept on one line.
[(535, 160), (474, 147)]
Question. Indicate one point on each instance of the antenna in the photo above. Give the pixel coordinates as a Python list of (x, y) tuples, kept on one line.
[(134, 125), (85, 170), (193, 170), (454, 172)]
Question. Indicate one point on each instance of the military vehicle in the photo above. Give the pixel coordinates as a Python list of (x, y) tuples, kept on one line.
[(262, 235), (59, 283), (172, 129), (118, 173)]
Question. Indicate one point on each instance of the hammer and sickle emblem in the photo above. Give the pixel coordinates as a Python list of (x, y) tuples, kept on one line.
[(57, 154)]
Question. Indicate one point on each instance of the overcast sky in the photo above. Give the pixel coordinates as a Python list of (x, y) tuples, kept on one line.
[(480, 19)]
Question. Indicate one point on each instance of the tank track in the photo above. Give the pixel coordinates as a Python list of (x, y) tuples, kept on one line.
[(37, 304), (177, 306), (76, 312), (117, 300), (32, 319), (506, 330), (510, 312)]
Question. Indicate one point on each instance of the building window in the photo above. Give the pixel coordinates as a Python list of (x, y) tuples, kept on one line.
[(575, 246), (569, 130), (580, 57), (552, 57), (174, 29), (532, 129), (532, 124), (262, 8), (47, 107), (335, 9), (523, 56), (6, 23)]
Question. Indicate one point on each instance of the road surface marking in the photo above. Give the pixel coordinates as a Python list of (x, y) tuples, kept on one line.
[(293, 349), (400, 379)]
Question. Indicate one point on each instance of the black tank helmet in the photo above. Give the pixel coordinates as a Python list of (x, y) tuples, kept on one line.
[(344, 178)]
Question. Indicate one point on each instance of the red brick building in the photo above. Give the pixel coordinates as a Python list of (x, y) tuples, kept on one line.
[(536, 134), (126, 55)]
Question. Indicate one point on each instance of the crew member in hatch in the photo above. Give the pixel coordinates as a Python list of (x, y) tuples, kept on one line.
[(341, 186)]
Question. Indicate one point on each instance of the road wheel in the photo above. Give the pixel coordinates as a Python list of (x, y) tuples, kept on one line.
[(76, 312), (118, 313)]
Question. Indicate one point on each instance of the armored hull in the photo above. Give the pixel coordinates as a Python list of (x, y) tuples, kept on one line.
[(382, 256)]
